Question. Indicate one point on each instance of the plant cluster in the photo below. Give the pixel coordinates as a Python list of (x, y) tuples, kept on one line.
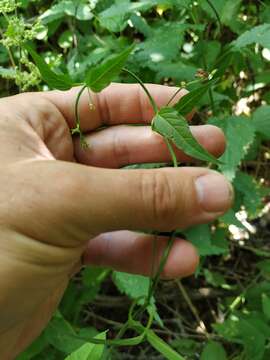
[(219, 50)]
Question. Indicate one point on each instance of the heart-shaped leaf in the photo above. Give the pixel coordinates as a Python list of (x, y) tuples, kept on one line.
[(174, 127), (101, 76)]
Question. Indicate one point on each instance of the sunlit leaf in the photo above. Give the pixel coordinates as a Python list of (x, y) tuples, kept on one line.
[(173, 126), (100, 76), (52, 79), (188, 102)]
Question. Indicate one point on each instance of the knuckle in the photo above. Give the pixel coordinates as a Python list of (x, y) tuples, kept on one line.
[(159, 196), (120, 150)]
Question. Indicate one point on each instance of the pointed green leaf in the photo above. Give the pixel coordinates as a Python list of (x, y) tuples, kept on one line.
[(89, 351), (174, 127), (162, 347), (101, 76), (258, 34), (186, 104), (52, 79)]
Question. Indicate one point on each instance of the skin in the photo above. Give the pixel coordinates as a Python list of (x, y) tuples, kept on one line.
[(60, 204)]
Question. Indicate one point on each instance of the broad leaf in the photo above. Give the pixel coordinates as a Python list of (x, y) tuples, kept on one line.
[(89, 351), (52, 79), (133, 286), (246, 185), (80, 9), (101, 76), (186, 104), (115, 17), (259, 35), (162, 45), (174, 127), (240, 133), (213, 351)]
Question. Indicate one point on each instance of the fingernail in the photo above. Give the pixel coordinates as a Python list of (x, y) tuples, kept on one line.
[(215, 193)]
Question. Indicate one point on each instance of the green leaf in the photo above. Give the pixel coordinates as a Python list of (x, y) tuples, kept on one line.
[(79, 9), (259, 35), (162, 347), (266, 305), (62, 336), (101, 76), (213, 351), (133, 286), (240, 133), (174, 127), (247, 186), (264, 266), (162, 45), (187, 103), (52, 79), (7, 73), (215, 279), (89, 351), (261, 121), (200, 236), (115, 17)]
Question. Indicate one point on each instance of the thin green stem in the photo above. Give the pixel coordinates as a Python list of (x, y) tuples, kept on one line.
[(173, 156), (152, 101), (77, 129), (216, 14), (174, 95)]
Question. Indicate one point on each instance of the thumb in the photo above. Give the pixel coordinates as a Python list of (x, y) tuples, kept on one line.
[(79, 201)]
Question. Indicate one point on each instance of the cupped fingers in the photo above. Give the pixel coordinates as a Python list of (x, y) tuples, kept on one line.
[(122, 145), (133, 253)]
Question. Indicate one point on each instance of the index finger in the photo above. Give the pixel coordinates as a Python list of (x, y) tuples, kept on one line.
[(117, 104)]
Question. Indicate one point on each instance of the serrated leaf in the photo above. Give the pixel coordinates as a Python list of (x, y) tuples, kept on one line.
[(163, 44), (213, 351), (52, 79), (239, 132), (89, 351), (174, 127), (187, 103), (101, 76), (247, 186), (259, 35), (7, 73), (133, 286), (261, 121)]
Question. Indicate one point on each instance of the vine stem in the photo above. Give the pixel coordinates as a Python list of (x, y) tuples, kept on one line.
[(173, 156), (153, 103), (209, 2)]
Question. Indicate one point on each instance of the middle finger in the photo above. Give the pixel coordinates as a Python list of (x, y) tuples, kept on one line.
[(122, 145)]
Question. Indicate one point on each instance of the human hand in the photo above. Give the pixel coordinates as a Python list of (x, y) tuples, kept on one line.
[(59, 202)]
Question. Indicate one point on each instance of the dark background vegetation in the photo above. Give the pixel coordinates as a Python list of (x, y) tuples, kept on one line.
[(223, 312)]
